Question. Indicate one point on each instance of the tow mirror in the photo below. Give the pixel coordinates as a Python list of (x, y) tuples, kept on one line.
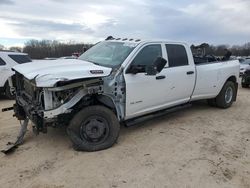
[(160, 63), (156, 67)]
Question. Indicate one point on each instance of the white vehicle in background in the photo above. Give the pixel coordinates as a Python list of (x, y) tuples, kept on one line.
[(118, 81), (244, 63), (9, 59), (50, 58), (68, 57)]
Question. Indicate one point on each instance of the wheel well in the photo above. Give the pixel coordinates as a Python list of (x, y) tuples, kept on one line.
[(5, 84), (232, 79), (106, 101), (91, 100), (3, 89)]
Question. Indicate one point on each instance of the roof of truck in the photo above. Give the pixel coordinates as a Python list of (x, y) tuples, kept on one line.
[(138, 41)]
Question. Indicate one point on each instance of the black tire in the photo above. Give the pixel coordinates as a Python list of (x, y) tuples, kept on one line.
[(7, 92), (93, 128), (243, 82), (222, 101), (244, 85)]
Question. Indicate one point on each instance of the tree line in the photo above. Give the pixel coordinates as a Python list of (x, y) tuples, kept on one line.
[(52, 48), (219, 50), (39, 49)]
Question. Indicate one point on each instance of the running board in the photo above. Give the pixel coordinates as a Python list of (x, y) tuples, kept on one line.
[(141, 119)]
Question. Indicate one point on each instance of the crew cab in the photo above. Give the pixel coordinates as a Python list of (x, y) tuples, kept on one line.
[(9, 59), (118, 81)]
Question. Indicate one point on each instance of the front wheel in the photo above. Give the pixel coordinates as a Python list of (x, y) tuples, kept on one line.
[(93, 128), (226, 96)]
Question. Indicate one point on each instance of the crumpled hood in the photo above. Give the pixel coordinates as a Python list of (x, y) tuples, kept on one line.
[(48, 72)]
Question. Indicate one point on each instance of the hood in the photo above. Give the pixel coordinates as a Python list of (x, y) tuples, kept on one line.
[(47, 73)]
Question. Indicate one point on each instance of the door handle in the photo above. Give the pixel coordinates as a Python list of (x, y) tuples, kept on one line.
[(160, 77), (190, 72)]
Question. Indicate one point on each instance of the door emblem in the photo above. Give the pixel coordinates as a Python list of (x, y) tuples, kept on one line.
[(136, 102)]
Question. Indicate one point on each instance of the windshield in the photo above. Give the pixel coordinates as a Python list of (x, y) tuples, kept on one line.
[(245, 61), (110, 54)]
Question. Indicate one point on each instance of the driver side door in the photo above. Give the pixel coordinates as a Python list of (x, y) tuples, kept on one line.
[(145, 93)]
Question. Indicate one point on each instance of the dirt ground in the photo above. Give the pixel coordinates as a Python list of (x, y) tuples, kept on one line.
[(193, 148)]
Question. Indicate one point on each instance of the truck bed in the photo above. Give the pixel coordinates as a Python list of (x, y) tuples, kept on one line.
[(211, 76)]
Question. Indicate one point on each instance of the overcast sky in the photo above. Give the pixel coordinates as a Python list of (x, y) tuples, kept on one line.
[(193, 21)]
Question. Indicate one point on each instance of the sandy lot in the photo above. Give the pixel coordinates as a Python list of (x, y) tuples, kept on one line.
[(197, 147)]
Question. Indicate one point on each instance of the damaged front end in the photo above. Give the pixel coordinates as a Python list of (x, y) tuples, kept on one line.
[(50, 94), (44, 106), (49, 106)]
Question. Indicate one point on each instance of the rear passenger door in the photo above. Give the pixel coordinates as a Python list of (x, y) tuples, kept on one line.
[(180, 74)]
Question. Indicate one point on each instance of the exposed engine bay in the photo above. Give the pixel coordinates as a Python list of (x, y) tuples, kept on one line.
[(56, 106)]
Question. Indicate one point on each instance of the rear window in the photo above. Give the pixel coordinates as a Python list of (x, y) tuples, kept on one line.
[(177, 55), (2, 62), (20, 59)]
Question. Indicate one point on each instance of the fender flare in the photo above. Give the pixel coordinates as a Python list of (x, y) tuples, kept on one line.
[(109, 102)]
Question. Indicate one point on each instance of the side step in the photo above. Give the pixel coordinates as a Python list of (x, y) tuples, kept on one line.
[(135, 121)]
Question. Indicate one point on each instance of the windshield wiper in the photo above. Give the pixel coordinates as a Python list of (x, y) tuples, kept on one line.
[(95, 63)]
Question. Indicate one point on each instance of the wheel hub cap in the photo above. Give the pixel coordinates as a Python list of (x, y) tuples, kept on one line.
[(94, 129), (229, 95)]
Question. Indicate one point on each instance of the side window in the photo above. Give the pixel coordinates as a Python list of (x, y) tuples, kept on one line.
[(148, 55), (177, 55), (20, 59), (2, 62)]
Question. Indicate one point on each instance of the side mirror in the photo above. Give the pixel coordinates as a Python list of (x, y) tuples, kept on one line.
[(156, 67), (160, 63)]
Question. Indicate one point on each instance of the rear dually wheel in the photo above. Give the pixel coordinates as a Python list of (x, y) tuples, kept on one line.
[(226, 96)]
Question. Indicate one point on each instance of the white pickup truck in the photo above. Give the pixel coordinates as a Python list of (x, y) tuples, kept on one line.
[(118, 81)]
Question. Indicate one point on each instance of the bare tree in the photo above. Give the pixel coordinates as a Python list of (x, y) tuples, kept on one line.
[(16, 49), (48, 48), (39, 49)]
